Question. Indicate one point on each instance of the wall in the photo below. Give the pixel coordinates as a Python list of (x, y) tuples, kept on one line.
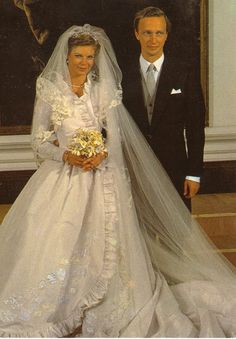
[(16, 154), (222, 56), (221, 134)]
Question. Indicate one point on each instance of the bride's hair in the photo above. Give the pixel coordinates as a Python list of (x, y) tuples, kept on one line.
[(82, 39), (85, 39)]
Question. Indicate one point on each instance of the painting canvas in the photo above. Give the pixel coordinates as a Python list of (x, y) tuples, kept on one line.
[(29, 30)]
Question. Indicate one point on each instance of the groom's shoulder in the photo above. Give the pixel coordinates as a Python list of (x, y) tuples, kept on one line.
[(131, 72), (130, 67), (177, 62), (179, 67)]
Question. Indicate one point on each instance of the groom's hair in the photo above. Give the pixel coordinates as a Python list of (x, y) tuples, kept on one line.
[(151, 12)]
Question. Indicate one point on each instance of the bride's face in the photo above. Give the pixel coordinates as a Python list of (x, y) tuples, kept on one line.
[(81, 60)]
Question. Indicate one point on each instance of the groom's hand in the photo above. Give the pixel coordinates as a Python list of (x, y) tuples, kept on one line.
[(190, 188)]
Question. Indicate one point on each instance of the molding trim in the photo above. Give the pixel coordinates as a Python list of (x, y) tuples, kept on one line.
[(220, 144), (16, 153), (204, 52)]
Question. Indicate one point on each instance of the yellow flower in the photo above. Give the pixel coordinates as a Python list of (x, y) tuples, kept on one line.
[(87, 143)]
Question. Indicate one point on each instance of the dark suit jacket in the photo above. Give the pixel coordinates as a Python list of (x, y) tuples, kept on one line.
[(173, 113)]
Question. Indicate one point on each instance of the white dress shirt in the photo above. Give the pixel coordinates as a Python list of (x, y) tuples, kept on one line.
[(144, 64)]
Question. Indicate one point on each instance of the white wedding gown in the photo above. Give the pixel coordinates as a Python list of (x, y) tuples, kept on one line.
[(67, 260)]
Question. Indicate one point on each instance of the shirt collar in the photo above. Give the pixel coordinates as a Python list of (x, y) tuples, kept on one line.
[(144, 64)]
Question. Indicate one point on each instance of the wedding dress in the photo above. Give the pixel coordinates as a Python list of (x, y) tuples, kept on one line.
[(114, 249)]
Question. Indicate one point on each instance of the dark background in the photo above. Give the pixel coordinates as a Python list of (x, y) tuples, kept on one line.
[(21, 56)]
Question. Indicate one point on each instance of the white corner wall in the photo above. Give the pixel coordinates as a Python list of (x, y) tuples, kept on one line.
[(221, 133), (222, 62)]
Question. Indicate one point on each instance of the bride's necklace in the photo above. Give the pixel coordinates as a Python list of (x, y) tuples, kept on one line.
[(78, 86), (78, 89)]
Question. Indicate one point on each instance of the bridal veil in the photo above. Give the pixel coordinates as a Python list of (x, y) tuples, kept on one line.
[(176, 243)]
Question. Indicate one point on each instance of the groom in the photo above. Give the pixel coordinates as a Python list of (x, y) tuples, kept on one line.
[(164, 97)]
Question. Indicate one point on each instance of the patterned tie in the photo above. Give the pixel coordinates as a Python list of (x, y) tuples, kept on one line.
[(151, 83)]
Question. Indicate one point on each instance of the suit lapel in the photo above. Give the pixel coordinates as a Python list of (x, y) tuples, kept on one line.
[(141, 111), (162, 93)]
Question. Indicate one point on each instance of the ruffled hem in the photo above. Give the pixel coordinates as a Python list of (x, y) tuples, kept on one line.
[(58, 330)]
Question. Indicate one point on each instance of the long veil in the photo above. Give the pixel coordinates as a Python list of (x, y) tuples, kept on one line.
[(177, 246)]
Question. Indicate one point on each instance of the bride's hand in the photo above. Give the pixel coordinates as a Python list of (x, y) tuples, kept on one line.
[(73, 159), (93, 162)]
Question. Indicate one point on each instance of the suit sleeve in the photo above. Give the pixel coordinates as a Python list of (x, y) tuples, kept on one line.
[(195, 123)]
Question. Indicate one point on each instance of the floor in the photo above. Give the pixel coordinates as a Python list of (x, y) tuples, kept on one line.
[(216, 213), (3, 211)]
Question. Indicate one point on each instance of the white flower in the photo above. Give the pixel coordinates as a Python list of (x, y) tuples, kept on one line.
[(42, 135), (60, 104), (61, 274), (118, 99), (87, 143)]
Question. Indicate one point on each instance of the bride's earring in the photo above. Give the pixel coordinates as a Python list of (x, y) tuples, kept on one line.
[(67, 61), (95, 72)]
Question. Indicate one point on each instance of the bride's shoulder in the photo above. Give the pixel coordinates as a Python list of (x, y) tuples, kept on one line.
[(93, 85)]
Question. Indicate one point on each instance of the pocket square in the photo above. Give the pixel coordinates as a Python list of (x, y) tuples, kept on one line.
[(176, 91)]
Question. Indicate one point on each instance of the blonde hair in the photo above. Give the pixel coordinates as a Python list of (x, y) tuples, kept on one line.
[(151, 12), (82, 39)]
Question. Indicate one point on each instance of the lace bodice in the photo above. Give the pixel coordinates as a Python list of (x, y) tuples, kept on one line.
[(59, 116)]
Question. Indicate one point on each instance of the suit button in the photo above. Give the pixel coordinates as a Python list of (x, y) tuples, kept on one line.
[(149, 136)]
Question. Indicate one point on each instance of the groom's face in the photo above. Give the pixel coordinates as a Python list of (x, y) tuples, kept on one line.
[(152, 35)]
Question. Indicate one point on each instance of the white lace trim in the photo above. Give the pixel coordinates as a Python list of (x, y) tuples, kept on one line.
[(118, 99), (63, 106), (60, 104), (99, 290), (81, 107), (41, 135)]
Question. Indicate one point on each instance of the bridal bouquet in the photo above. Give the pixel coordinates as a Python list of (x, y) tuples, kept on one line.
[(87, 143)]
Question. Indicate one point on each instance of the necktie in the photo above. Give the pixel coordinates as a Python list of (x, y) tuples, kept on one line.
[(151, 83)]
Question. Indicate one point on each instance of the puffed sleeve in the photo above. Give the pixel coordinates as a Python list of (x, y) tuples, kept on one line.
[(43, 134)]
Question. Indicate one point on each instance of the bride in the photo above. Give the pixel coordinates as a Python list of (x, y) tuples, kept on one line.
[(101, 244)]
